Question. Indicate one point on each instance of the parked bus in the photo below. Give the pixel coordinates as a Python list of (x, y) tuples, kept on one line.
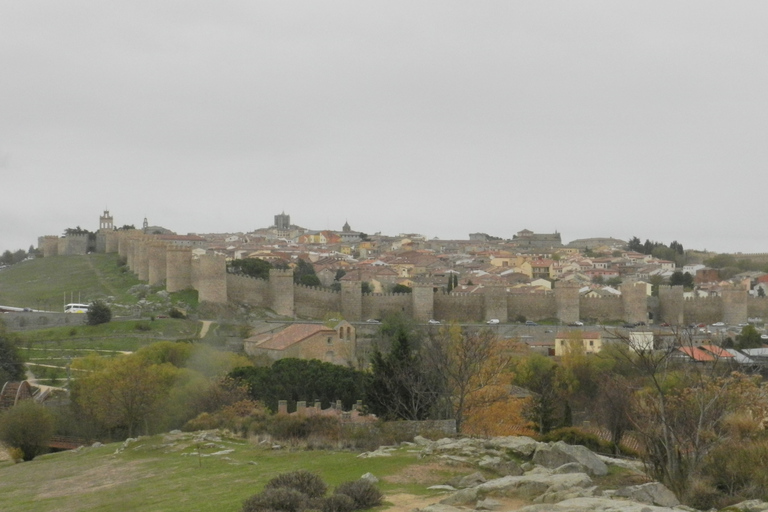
[(76, 308)]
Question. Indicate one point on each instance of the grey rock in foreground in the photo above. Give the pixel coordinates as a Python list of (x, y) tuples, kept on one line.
[(596, 505), (561, 453), (653, 493)]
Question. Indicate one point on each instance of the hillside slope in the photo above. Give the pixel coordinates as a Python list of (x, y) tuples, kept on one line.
[(48, 283)]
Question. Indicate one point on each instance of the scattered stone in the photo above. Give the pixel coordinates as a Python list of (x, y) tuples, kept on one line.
[(472, 480), (439, 507), (223, 452), (369, 477), (96, 445), (500, 467), (422, 441), (750, 506), (595, 505), (441, 488), (571, 467), (175, 432), (487, 504), (461, 497), (653, 493)]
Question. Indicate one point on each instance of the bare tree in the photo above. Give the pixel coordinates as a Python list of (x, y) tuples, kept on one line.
[(679, 409), (468, 364)]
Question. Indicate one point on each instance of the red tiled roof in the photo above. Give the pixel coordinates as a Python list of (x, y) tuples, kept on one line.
[(290, 335), (697, 354), (717, 351)]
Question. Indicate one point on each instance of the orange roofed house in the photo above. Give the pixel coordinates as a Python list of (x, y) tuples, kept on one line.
[(307, 341)]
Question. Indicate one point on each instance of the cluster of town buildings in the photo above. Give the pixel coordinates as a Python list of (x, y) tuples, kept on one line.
[(527, 263)]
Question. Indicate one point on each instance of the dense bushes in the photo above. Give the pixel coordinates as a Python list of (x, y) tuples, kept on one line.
[(363, 493), (302, 491), (302, 481)]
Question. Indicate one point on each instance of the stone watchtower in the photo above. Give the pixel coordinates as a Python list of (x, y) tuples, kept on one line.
[(495, 303), (105, 222), (178, 268), (671, 304), (734, 305), (423, 297), (634, 298), (567, 302), (209, 272), (281, 291), (352, 300)]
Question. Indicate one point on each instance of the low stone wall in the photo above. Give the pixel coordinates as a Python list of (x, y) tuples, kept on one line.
[(33, 320), (415, 428)]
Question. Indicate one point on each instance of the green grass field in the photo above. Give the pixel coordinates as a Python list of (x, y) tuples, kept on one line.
[(166, 473), (49, 351)]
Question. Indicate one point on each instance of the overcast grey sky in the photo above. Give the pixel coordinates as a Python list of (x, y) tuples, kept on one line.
[(610, 118)]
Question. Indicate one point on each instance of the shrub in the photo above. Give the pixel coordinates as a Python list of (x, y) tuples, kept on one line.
[(338, 503), (16, 455), (27, 426), (176, 313), (302, 481), (363, 493), (281, 498), (143, 326), (295, 427), (98, 313)]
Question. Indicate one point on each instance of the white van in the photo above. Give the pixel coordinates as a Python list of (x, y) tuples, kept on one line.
[(76, 308)]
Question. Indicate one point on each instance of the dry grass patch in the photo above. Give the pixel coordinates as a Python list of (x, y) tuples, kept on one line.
[(104, 476)]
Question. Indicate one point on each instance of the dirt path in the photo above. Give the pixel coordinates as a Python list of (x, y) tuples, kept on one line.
[(205, 327)]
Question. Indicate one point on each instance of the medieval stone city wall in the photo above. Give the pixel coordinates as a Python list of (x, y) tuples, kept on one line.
[(313, 302), (72, 244), (178, 269), (379, 305), (703, 310), (157, 262), (757, 307), (462, 307), (671, 305), (48, 245), (248, 290), (567, 303), (209, 278), (602, 309), (532, 306)]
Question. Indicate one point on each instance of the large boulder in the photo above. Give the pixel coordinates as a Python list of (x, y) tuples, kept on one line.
[(532, 485), (653, 493), (462, 497), (521, 446), (596, 505), (501, 467), (560, 453)]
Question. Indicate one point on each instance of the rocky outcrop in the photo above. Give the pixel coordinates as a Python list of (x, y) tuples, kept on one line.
[(554, 476), (556, 455)]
